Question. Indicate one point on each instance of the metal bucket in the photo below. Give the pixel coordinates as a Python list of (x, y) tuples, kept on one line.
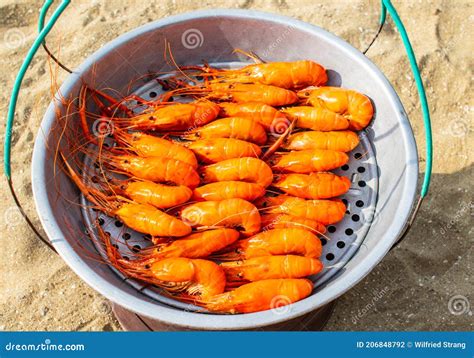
[(384, 169)]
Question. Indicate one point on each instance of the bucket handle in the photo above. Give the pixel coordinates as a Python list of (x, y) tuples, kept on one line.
[(388, 7), (14, 98)]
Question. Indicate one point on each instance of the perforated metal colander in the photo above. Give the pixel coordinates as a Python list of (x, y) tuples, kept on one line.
[(340, 244), (383, 168)]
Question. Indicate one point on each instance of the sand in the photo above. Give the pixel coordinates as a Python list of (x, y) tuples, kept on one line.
[(411, 289)]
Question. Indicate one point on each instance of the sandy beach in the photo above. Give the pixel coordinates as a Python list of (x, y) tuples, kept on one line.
[(413, 288)]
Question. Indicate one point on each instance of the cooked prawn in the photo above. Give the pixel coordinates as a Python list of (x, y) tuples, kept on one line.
[(173, 117), (313, 186), (260, 296), (316, 118), (342, 141), (233, 213), (194, 246), (271, 95), (354, 106), (218, 149), (146, 145), (260, 112), (307, 161), (289, 75), (143, 218), (294, 241), (233, 127), (156, 169), (158, 195), (271, 267), (325, 212), (228, 190), (281, 221), (241, 169), (180, 276)]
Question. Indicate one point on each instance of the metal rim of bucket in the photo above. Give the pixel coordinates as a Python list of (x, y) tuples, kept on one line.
[(146, 307)]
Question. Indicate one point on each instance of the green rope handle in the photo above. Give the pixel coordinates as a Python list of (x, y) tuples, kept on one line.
[(21, 74), (387, 6)]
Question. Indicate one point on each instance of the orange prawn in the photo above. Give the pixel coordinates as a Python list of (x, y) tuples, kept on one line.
[(233, 127), (158, 195), (316, 118), (271, 267), (270, 95), (294, 241), (228, 190), (180, 276), (281, 221), (240, 169), (354, 106), (313, 186), (259, 112), (234, 213), (307, 161), (218, 149), (174, 117), (289, 75), (325, 212), (156, 169), (146, 145), (342, 141), (143, 218), (197, 245), (260, 296)]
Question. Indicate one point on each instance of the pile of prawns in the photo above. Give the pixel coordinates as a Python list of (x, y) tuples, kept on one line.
[(234, 186)]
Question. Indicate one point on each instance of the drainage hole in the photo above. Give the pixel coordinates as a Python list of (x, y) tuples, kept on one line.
[(361, 183), (357, 155), (116, 246), (359, 203), (355, 217), (341, 244), (126, 236), (330, 257), (361, 169), (349, 232), (101, 221), (153, 94), (136, 248), (147, 237), (118, 223), (345, 167), (344, 201), (107, 234), (323, 241), (331, 229)]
